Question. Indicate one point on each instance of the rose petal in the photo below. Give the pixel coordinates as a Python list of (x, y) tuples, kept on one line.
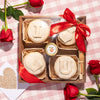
[(10, 38), (6, 36), (94, 63), (95, 71), (74, 91), (3, 34), (70, 92), (73, 98), (94, 67), (36, 3), (66, 93)]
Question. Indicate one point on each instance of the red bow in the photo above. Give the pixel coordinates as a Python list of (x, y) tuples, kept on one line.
[(25, 75), (80, 33)]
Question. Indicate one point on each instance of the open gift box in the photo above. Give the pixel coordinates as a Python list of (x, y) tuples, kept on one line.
[(26, 46)]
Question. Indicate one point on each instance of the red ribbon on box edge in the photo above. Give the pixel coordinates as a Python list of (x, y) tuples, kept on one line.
[(80, 33), (26, 76)]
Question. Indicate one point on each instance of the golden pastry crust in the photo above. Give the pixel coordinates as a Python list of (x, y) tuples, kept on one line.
[(34, 63), (38, 31), (65, 67), (67, 37)]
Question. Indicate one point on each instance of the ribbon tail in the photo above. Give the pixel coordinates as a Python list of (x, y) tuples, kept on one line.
[(25, 75), (80, 41), (58, 27), (85, 28)]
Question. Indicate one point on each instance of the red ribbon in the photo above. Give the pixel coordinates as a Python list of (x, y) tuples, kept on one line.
[(25, 75), (80, 33)]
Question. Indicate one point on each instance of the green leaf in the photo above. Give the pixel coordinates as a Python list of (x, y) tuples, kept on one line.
[(10, 11), (2, 15), (98, 92), (94, 99), (14, 12), (0, 10), (17, 13), (91, 91)]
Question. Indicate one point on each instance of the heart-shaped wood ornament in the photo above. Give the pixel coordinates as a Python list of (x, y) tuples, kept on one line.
[(8, 80)]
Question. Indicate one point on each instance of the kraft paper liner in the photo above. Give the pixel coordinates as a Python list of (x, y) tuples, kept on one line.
[(67, 47), (52, 74), (25, 36), (40, 50)]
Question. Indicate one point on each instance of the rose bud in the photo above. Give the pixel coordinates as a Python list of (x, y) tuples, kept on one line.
[(71, 92), (36, 3), (94, 67), (6, 36)]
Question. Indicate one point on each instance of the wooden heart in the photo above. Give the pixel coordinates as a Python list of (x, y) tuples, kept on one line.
[(8, 80)]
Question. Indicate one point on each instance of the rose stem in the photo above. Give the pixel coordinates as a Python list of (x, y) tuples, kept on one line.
[(97, 81), (5, 15), (89, 95), (18, 5), (21, 4)]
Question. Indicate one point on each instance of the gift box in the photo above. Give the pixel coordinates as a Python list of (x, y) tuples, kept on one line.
[(49, 75), (75, 51)]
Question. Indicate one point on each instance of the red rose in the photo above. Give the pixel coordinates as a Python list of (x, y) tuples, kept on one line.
[(6, 36), (36, 3), (71, 92), (94, 67)]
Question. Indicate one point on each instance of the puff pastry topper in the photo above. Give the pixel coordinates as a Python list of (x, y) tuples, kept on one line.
[(80, 33)]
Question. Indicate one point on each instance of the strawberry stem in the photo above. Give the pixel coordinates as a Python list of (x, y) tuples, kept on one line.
[(5, 15)]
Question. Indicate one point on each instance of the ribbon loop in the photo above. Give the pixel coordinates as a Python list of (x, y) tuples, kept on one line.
[(69, 16)]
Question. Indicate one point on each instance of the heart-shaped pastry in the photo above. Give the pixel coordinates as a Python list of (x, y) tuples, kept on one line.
[(8, 80)]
